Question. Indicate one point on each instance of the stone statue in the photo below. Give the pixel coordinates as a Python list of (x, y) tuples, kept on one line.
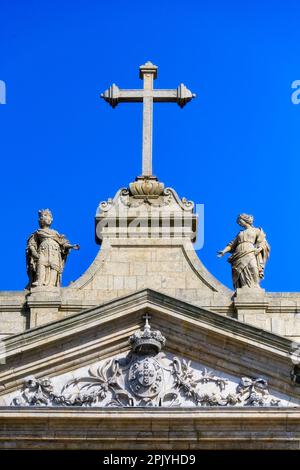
[(46, 253), (249, 254)]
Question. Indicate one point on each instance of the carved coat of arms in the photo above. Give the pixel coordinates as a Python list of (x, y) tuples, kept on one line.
[(145, 377)]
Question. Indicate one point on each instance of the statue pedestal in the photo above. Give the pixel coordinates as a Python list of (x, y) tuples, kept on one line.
[(43, 303), (146, 210), (251, 306)]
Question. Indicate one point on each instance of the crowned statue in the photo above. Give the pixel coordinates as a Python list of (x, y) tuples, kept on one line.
[(46, 253), (249, 254)]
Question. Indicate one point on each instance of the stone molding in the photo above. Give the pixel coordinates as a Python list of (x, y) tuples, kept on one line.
[(144, 428)]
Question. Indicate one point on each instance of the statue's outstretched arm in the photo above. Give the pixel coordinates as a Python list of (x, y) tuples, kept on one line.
[(74, 247), (66, 245), (228, 249)]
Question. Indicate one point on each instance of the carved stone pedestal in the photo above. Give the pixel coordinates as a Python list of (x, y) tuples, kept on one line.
[(250, 305), (146, 210), (43, 303)]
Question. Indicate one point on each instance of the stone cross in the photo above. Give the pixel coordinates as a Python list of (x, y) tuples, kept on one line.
[(147, 96), (147, 318)]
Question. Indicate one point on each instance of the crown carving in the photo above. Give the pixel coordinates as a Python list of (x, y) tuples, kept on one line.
[(147, 340)]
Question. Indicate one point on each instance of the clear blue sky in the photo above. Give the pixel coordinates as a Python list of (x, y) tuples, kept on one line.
[(235, 148)]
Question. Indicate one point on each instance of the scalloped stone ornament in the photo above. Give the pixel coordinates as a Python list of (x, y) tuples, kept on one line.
[(146, 186)]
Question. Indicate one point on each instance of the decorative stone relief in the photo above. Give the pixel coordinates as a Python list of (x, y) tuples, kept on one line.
[(151, 192), (145, 186), (146, 377)]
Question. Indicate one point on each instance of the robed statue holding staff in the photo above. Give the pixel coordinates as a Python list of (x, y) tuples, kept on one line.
[(46, 253)]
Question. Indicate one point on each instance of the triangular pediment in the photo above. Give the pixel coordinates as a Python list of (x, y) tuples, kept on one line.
[(219, 346)]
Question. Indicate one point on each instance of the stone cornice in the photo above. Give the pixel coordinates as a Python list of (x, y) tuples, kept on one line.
[(55, 428), (87, 318)]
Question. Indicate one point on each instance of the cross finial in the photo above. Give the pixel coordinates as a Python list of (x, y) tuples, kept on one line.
[(148, 73), (148, 67), (147, 318)]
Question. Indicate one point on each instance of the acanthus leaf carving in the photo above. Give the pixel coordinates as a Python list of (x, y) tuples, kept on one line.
[(127, 385)]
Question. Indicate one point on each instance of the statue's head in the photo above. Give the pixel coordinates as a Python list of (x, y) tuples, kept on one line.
[(245, 219), (45, 218)]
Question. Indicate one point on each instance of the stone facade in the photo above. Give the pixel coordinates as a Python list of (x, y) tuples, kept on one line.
[(130, 260), (218, 351), (147, 350), (229, 364)]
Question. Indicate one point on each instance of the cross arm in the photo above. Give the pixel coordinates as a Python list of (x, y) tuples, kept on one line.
[(115, 95), (180, 95)]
